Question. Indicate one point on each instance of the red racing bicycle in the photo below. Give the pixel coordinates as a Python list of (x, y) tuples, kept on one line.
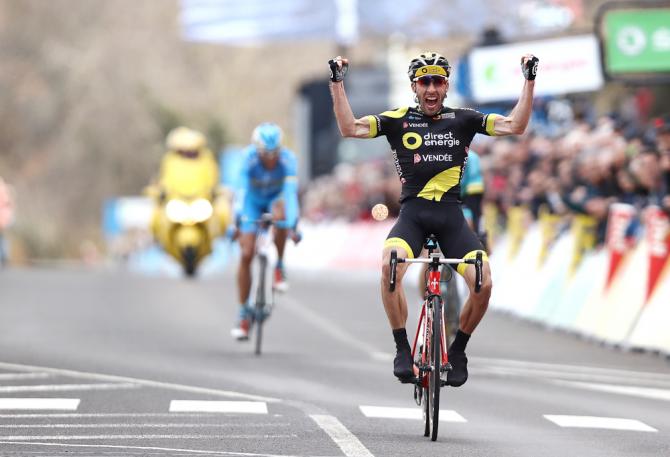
[(431, 360)]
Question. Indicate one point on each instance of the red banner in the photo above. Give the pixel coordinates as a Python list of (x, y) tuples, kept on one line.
[(620, 217), (657, 228)]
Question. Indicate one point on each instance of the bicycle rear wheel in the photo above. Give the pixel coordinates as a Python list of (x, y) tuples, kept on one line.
[(259, 308), (426, 412), (436, 364)]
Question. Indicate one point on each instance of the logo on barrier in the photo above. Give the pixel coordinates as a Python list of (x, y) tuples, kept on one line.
[(621, 215), (658, 227)]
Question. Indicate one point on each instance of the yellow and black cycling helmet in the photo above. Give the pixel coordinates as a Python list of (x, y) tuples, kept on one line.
[(428, 63)]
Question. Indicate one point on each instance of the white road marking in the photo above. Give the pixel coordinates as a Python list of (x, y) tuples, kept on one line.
[(17, 376), (582, 375), (211, 406), (382, 356), (446, 415), (141, 437), (98, 415), (346, 441), (147, 448), (66, 404), (553, 370), (140, 425), (67, 387), (562, 370), (644, 392), (612, 423), (143, 382)]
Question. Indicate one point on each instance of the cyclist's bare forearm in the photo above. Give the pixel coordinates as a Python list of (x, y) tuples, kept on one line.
[(346, 121), (517, 121)]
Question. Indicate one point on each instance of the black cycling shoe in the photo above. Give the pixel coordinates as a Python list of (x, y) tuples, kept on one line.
[(458, 374), (403, 366)]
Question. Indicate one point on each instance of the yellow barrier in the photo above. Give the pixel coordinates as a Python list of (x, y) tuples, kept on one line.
[(584, 231), (516, 217), (549, 224), (491, 214)]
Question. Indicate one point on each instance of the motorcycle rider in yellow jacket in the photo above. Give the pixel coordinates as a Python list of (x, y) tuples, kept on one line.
[(189, 169)]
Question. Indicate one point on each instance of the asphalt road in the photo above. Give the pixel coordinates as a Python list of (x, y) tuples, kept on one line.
[(107, 362)]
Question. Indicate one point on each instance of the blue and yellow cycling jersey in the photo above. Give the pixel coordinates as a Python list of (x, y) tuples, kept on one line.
[(260, 187), (430, 151)]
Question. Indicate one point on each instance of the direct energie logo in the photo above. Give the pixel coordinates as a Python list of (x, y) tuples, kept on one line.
[(411, 140)]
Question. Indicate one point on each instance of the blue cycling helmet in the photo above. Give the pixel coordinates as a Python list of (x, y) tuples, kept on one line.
[(267, 137)]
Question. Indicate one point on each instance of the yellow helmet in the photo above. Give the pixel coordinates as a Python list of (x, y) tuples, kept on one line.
[(185, 139), (428, 63)]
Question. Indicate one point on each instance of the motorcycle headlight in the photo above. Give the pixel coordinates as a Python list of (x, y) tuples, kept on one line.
[(201, 210), (177, 211), (181, 212)]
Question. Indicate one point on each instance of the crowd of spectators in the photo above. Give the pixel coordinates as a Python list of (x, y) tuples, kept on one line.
[(350, 192), (565, 164), (582, 171)]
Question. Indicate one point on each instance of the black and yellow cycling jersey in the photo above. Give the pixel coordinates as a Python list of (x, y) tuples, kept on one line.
[(430, 152)]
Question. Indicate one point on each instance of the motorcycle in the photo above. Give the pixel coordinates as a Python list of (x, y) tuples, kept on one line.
[(186, 222)]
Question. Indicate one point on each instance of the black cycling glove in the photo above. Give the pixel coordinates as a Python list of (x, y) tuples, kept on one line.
[(336, 73), (529, 69)]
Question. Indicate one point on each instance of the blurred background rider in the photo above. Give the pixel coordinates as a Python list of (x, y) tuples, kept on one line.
[(268, 184), (472, 194), (190, 167), (6, 218), (188, 159)]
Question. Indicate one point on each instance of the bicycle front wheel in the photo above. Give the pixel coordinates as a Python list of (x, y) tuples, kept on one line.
[(259, 309), (425, 385), (436, 364)]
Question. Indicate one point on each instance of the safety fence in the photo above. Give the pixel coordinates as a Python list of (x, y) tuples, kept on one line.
[(543, 270), (618, 293), (547, 271)]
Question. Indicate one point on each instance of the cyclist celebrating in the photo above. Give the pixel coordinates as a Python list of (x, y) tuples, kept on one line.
[(430, 146), (269, 184)]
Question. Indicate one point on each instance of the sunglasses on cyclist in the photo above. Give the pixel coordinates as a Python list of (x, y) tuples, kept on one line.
[(269, 152), (437, 80)]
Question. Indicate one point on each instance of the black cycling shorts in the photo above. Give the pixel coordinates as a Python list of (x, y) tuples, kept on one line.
[(420, 217)]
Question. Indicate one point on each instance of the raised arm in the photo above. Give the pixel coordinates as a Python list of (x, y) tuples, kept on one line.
[(349, 126), (516, 122)]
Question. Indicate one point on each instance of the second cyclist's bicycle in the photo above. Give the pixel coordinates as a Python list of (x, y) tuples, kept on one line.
[(264, 300), (264, 297), (429, 350)]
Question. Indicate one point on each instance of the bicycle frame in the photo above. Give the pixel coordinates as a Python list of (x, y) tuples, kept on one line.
[(433, 362), (425, 324)]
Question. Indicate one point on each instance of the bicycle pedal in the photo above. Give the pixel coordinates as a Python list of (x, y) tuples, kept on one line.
[(412, 380)]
